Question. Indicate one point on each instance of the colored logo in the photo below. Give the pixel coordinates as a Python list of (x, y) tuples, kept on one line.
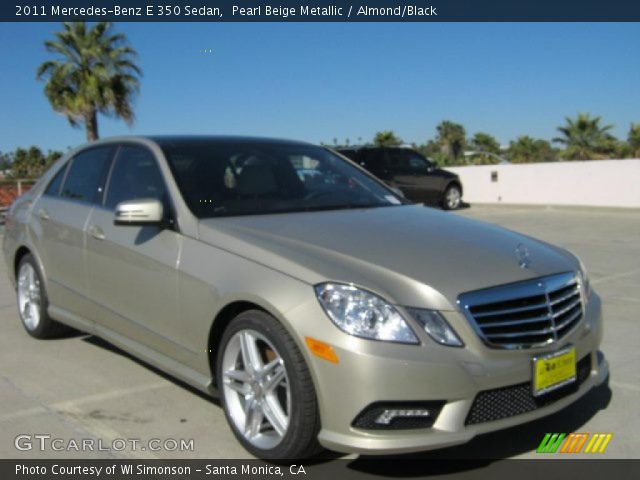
[(574, 443)]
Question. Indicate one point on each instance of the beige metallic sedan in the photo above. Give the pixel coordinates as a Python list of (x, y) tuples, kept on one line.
[(319, 305)]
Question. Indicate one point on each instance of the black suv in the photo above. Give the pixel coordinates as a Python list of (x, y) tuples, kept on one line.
[(407, 170)]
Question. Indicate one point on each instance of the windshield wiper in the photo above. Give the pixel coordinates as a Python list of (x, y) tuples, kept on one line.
[(311, 208), (316, 208)]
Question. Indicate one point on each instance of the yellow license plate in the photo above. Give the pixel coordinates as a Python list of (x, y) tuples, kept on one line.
[(554, 371)]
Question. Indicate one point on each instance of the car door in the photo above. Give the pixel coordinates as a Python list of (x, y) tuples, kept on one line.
[(427, 185), (132, 269), (59, 217), (403, 176)]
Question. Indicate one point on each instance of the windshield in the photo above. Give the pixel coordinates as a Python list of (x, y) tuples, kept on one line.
[(226, 178)]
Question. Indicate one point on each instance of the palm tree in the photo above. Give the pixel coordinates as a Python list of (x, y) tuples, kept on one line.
[(451, 137), (585, 138), (484, 142), (528, 150), (386, 138), (634, 139), (94, 73)]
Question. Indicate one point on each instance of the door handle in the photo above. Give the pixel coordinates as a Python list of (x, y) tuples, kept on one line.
[(43, 214), (96, 232)]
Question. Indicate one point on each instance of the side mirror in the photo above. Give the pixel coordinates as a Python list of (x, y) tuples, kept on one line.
[(143, 211)]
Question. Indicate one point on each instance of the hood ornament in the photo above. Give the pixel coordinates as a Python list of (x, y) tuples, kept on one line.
[(523, 255)]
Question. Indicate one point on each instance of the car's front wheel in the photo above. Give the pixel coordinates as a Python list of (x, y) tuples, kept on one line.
[(266, 389), (452, 197)]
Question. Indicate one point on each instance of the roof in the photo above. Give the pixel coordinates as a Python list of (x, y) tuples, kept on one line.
[(370, 147), (176, 140)]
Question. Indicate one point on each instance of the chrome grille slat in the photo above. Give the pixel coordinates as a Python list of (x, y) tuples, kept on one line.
[(511, 310), (566, 309), (529, 333), (526, 314), (510, 323), (566, 297), (569, 320)]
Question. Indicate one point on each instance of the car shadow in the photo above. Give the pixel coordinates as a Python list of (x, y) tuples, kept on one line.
[(462, 206), (323, 457), (490, 447), (478, 453), (99, 342)]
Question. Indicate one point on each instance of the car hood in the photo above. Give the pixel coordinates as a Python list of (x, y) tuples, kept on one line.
[(412, 255), (444, 173)]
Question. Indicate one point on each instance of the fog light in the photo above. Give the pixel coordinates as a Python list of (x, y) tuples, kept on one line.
[(399, 415), (388, 416)]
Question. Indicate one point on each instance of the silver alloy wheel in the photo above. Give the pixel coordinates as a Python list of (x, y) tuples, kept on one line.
[(256, 388), (29, 296), (453, 198)]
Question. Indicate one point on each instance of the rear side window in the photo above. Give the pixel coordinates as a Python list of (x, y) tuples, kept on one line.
[(397, 160), (373, 160), (135, 175), (53, 188), (85, 179)]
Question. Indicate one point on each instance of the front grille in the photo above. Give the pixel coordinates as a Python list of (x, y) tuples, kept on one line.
[(505, 402), (525, 314)]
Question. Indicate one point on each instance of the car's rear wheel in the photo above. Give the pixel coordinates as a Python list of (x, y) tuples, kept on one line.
[(266, 389), (452, 197), (33, 301)]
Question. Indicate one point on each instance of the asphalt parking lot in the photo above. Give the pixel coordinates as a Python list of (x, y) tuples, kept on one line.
[(82, 387)]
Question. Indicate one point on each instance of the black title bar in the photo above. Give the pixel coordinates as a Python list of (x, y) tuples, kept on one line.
[(401, 468), (320, 11)]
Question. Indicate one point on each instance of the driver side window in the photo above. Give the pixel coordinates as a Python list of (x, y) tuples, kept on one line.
[(417, 163), (135, 175)]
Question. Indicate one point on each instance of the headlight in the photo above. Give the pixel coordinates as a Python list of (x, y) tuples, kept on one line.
[(436, 326), (363, 314)]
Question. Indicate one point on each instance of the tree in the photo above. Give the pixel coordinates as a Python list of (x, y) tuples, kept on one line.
[(52, 156), (529, 150), (584, 138), (386, 138), (5, 161), (634, 140), (431, 150), (451, 137), (483, 142), (94, 72), (31, 162)]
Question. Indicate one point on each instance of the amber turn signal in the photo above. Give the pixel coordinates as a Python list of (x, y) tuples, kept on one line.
[(321, 349)]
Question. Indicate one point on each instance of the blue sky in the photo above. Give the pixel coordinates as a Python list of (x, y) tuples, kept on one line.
[(318, 81)]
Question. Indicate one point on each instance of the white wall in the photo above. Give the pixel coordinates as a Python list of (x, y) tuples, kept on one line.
[(603, 183)]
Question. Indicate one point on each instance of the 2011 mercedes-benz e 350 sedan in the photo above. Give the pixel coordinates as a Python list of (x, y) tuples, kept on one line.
[(321, 307)]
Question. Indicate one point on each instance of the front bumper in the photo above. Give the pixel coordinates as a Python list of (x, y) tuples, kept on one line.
[(370, 372)]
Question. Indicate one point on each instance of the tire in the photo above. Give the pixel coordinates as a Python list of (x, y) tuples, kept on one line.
[(452, 197), (284, 390), (32, 300)]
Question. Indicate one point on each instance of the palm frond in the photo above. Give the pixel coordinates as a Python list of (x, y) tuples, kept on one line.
[(95, 72)]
